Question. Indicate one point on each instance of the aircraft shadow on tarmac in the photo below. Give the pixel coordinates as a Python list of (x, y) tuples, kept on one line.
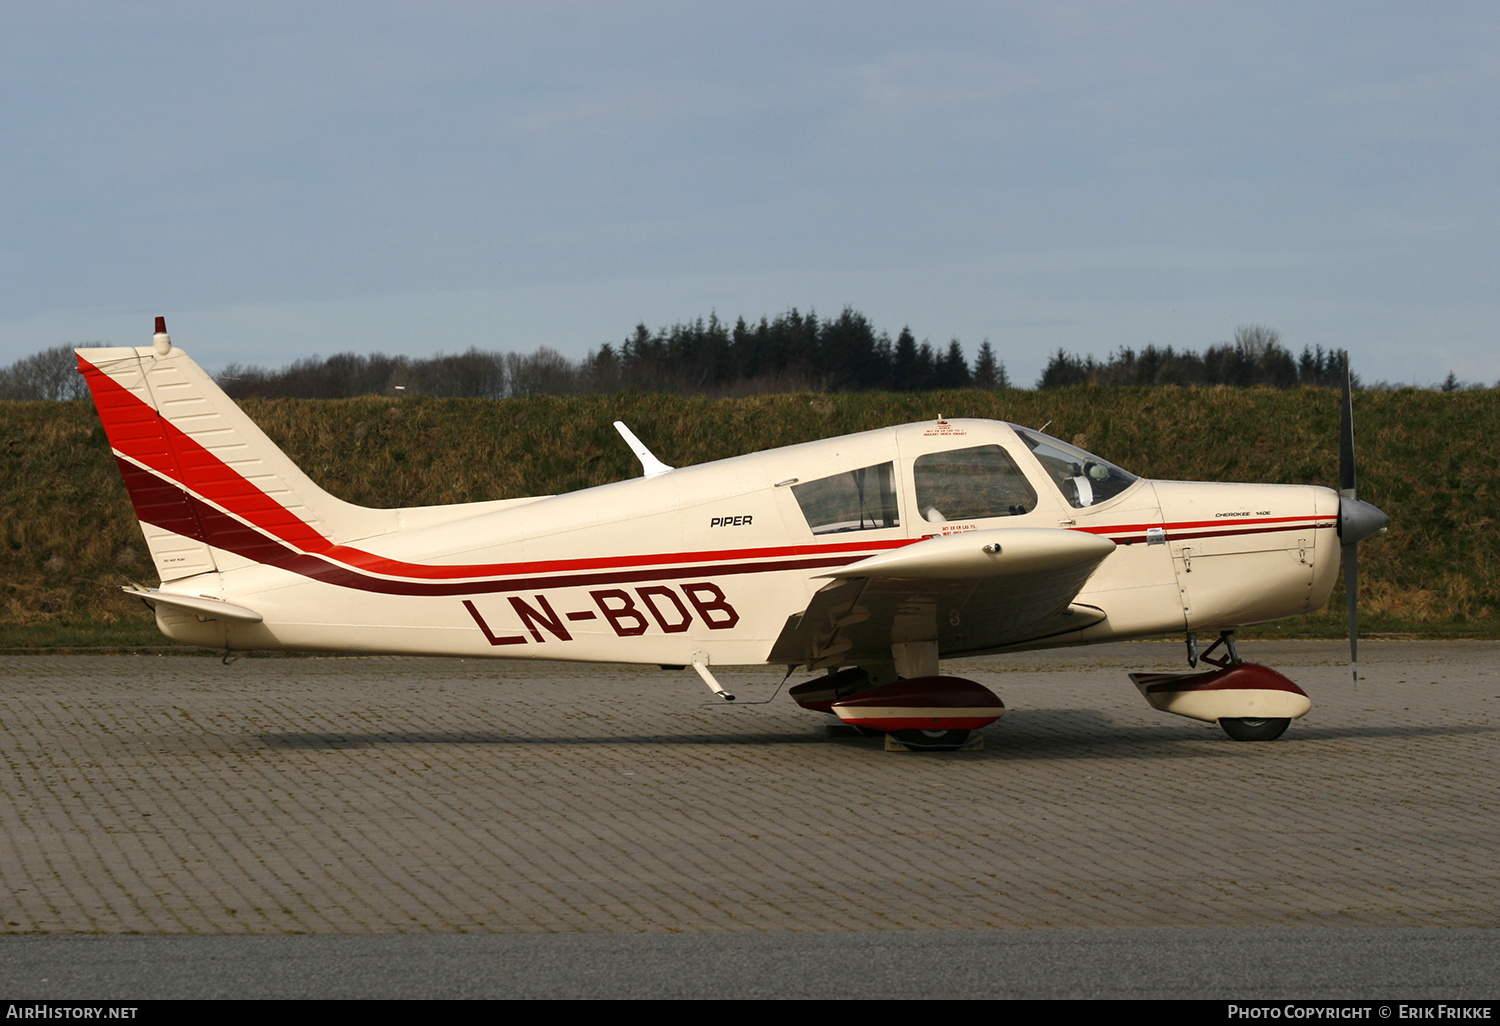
[(1024, 734), (479, 737)]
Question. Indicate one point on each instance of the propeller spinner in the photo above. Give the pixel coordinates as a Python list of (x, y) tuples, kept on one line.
[(1357, 520)]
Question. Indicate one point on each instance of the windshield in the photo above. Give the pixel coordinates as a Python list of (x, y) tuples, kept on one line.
[(1083, 478)]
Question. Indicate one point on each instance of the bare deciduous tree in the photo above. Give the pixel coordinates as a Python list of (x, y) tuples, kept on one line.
[(50, 374)]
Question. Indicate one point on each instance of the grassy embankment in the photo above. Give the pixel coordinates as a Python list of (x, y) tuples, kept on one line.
[(69, 537)]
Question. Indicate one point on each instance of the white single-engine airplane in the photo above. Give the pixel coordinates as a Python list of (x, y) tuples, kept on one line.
[(869, 556)]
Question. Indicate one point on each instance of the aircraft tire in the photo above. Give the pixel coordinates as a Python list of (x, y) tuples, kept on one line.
[(932, 740), (1254, 730)]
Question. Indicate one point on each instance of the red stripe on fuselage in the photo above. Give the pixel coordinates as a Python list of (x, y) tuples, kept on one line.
[(1190, 524), (1176, 533), (141, 434), (1134, 534), (178, 485), (194, 518)]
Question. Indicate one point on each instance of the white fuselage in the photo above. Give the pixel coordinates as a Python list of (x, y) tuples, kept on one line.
[(712, 561)]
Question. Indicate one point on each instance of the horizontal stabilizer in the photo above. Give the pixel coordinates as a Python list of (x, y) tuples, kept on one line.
[(208, 608)]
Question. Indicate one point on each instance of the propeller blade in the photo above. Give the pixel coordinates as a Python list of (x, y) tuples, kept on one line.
[(1346, 437), (1357, 520), (1351, 592)]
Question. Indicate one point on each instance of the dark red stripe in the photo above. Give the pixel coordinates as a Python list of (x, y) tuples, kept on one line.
[(1216, 682), (190, 516), (1138, 539), (141, 434), (158, 502), (319, 569), (274, 536), (1188, 525)]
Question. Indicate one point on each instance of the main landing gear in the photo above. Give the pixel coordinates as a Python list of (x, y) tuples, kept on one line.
[(1244, 728), (931, 740), (930, 714)]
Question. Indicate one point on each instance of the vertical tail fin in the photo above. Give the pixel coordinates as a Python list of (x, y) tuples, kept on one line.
[(208, 486)]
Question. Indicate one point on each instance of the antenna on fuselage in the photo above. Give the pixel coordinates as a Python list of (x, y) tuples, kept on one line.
[(650, 465)]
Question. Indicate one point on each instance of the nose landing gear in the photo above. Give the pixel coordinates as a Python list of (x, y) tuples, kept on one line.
[(1248, 701)]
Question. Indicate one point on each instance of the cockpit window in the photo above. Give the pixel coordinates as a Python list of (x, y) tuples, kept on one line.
[(971, 484), (1083, 478), (859, 500)]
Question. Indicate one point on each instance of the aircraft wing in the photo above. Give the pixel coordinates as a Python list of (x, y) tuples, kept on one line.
[(970, 593)]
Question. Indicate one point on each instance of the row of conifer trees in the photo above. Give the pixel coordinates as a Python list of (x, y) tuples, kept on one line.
[(793, 352)]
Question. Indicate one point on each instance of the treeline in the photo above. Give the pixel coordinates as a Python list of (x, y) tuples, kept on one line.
[(794, 352), (1255, 357)]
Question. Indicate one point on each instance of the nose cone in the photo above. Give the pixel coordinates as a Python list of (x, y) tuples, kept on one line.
[(1358, 520)]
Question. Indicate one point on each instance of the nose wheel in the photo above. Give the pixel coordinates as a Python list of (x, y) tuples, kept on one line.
[(1242, 729)]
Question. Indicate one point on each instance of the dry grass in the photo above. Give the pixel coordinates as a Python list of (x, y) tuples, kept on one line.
[(67, 534)]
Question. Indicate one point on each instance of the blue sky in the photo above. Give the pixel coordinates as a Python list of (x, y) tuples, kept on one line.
[(282, 180)]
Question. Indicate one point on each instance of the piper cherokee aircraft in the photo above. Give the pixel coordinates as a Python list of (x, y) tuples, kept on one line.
[(869, 557)]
